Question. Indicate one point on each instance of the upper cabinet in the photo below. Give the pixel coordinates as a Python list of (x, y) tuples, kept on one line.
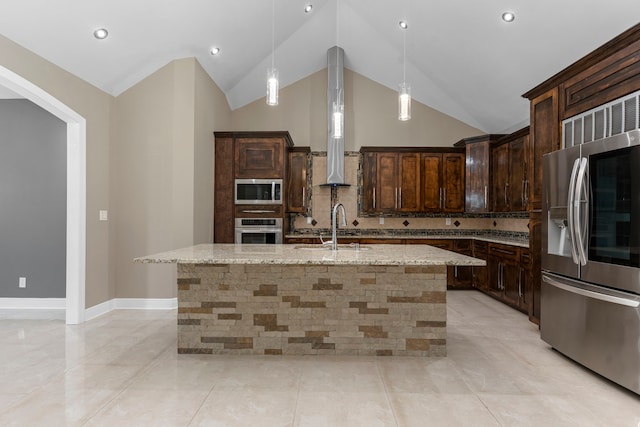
[(443, 182), (261, 155), (477, 172), (412, 179), (509, 172), (297, 179)]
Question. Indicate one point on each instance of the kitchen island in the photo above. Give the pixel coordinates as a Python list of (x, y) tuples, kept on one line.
[(305, 299)]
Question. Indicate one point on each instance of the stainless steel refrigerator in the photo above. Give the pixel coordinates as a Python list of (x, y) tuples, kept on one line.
[(590, 291)]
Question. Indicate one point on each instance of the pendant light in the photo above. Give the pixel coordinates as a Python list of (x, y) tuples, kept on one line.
[(337, 110), (272, 73), (404, 95)]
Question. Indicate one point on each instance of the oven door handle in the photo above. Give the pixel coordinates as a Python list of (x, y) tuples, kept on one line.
[(595, 295), (570, 216)]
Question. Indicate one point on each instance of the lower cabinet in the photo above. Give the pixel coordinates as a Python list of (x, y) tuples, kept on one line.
[(460, 276), (508, 276), (480, 275)]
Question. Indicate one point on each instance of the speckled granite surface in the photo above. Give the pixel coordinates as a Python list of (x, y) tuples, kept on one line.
[(309, 254)]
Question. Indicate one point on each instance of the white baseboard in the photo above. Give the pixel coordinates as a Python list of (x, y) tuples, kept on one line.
[(91, 312), (130, 304), (33, 303)]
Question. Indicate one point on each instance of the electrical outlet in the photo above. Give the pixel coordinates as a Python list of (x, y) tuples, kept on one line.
[(22, 282), (381, 220), (309, 220), (104, 215), (448, 221)]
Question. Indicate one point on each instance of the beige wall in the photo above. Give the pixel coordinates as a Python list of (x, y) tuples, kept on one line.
[(164, 168), (371, 116), (96, 107), (211, 113)]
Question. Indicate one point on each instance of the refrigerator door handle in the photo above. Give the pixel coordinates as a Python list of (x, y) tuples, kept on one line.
[(570, 216), (595, 295), (580, 227)]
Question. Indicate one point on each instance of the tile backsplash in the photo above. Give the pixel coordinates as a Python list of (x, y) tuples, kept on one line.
[(322, 198)]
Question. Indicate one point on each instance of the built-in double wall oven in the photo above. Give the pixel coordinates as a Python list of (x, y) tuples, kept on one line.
[(590, 303), (258, 230)]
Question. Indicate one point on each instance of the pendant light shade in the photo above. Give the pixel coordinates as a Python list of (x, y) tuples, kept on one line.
[(273, 85), (404, 94), (404, 102), (337, 120)]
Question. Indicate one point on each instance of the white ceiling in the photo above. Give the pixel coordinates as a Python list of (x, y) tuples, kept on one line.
[(462, 59)]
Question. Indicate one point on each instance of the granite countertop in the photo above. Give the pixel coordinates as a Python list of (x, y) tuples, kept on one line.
[(311, 254), (485, 238)]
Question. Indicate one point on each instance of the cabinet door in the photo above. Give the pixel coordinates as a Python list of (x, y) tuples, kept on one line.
[(408, 192), (259, 157), (511, 282), (431, 186), (544, 138), (494, 275), (525, 280), (535, 249), (297, 182), (480, 274), (517, 174), (453, 167), (477, 177), (387, 185), (500, 178), (223, 196), (369, 181)]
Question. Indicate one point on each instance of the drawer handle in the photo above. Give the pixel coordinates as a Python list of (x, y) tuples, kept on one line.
[(257, 211)]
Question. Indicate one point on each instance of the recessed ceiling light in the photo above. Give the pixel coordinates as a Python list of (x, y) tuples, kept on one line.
[(403, 24), (214, 51), (308, 8), (508, 16), (101, 33)]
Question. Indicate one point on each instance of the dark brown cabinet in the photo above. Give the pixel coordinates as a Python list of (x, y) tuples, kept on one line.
[(241, 155), (411, 180), (443, 182), (480, 275), (509, 180), (297, 180), (260, 156), (506, 275), (460, 276), (477, 172), (398, 183), (545, 137)]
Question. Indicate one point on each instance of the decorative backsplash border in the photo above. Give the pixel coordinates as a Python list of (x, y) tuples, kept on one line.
[(400, 233)]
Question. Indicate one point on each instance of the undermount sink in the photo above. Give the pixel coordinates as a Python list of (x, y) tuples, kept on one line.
[(343, 247)]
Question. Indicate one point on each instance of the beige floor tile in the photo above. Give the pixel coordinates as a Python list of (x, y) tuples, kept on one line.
[(123, 369), (343, 409), (157, 408), (420, 410), (242, 407), (340, 374)]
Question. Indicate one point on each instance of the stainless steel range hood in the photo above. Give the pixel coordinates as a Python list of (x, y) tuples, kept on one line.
[(335, 107)]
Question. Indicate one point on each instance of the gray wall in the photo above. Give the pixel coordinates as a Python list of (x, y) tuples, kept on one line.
[(33, 168)]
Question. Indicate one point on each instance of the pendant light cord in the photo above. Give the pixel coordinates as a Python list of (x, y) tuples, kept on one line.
[(404, 56), (273, 31)]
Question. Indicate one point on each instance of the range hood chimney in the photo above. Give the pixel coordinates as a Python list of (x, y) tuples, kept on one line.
[(335, 117)]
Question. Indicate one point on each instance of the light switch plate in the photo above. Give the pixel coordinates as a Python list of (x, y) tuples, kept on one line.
[(381, 220), (104, 215)]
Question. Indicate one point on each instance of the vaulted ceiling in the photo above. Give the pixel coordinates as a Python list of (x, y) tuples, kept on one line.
[(461, 58)]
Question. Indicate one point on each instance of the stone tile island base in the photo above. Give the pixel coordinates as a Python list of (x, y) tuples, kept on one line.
[(271, 309)]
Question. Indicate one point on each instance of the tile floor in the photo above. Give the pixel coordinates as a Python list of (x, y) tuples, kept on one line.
[(122, 369)]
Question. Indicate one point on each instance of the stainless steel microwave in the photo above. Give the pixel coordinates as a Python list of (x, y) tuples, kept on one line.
[(258, 192)]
